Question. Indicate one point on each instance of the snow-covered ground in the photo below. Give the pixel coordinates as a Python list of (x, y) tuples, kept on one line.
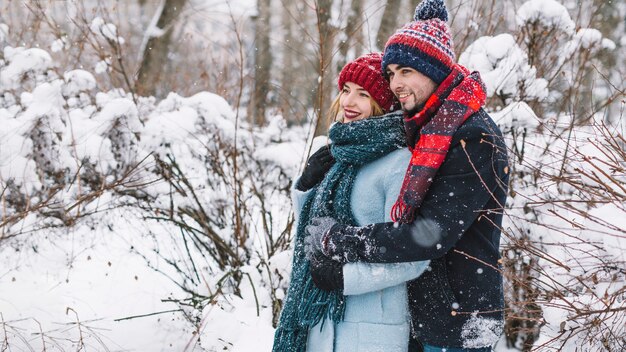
[(82, 282)]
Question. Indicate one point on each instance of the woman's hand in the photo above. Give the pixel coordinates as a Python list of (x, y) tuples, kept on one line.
[(316, 168), (326, 273), (314, 233)]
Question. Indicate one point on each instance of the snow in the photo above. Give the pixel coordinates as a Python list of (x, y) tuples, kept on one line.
[(517, 114), (588, 37), (585, 39), (59, 44), (108, 30), (120, 108), (26, 99), (480, 332), (284, 153), (214, 110), (77, 81), (504, 68), (23, 63), (548, 13), (48, 100), (4, 32), (608, 44), (243, 322), (102, 66), (105, 30), (91, 272)]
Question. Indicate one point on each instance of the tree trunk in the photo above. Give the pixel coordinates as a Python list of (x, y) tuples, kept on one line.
[(388, 23), (409, 8), (155, 52), (325, 56), (287, 68), (294, 88), (353, 34), (262, 64)]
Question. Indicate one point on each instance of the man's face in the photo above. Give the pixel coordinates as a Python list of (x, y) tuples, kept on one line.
[(410, 87)]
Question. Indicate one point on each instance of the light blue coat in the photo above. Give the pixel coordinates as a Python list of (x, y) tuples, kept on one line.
[(377, 313)]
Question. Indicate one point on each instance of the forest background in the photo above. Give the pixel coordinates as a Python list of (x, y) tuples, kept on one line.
[(165, 135)]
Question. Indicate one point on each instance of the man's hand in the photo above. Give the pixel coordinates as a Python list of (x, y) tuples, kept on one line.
[(316, 168), (338, 242), (326, 273)]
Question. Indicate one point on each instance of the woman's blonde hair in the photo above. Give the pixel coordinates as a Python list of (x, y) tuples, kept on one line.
[(335, 109)]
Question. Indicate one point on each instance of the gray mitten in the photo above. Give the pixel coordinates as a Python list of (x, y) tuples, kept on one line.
[(315, 231)]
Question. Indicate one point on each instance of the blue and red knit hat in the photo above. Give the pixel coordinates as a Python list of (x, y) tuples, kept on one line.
[(365, 71), (424, 44)]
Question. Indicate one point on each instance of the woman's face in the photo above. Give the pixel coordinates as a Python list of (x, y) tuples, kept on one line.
[(355, 102)]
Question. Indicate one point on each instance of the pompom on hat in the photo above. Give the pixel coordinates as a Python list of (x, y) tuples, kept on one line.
[(424, 44), (365, 71)]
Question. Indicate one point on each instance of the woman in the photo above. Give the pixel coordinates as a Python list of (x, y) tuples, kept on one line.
[(358, 306)]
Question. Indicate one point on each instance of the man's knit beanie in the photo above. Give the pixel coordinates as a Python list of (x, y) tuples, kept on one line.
[(424, 44), (365, 71)]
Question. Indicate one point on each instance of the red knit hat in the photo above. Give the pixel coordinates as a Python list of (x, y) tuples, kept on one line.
[(365, 71), (424, 44)]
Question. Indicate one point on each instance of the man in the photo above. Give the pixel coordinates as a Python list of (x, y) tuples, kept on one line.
[(450, 207)]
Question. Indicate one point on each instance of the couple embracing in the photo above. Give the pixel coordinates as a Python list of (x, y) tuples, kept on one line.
[(397, 243)]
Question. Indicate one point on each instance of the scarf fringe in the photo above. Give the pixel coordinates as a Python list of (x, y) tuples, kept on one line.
[(400, 212)]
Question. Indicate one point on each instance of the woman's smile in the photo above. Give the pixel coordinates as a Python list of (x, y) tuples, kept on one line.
[(350, 114)]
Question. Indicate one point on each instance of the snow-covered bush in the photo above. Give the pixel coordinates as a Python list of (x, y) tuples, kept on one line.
[(567, 59), (564, 232), (183, 166), (545, 13), (504, 67), (564, 278), (538, 20), (25, 68)]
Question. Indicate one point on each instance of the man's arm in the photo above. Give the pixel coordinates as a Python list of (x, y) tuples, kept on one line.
[(473, 169)]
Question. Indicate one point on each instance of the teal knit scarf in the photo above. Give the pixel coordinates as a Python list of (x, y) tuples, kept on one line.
[(353, 145)]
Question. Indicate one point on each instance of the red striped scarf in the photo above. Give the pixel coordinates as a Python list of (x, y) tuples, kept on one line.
[(459, 96)]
